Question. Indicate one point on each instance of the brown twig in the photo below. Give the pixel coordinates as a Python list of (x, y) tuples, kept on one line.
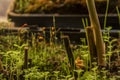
[(69, 51), (26, 58), (91, 43)]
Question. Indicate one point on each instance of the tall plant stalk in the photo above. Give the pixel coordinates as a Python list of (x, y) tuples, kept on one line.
[(95, 24)]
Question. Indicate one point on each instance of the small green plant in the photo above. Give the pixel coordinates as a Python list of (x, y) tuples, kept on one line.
[(48, 61)]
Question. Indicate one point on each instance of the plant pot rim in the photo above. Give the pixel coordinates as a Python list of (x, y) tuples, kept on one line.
[(61, 20)]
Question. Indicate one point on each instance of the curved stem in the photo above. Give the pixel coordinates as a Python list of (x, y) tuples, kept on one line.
[(97, 32)]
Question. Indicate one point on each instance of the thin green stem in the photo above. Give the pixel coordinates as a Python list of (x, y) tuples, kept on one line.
[(118, 12), (106, 14)]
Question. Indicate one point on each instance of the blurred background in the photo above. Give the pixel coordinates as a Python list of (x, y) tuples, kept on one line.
[(3, 8)]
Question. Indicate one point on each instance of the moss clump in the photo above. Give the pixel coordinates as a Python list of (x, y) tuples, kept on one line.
[(57, 6)]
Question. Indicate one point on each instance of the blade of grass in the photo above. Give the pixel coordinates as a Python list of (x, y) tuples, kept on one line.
[(106, 14)]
